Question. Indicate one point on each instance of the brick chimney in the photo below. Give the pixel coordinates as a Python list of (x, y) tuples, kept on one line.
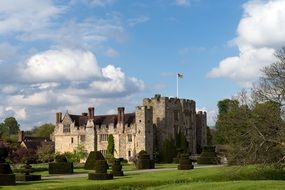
[(91, 113), (121, 114), (21, 136), (58, 117)]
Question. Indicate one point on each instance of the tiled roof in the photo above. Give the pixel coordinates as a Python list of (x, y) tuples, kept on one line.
[(102, 119)]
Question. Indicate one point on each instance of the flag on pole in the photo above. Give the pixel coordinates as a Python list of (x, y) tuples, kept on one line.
[(180, 75)]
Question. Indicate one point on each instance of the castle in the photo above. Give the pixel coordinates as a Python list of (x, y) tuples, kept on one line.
[(157, 120)]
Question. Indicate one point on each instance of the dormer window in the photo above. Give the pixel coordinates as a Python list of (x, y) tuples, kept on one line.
[(66, 128)]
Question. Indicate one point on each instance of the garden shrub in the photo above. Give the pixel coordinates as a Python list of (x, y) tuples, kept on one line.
[(101, 167), (208, 156), (117, 168), (61, 166), (144, 161), (91, 160), (6, 175), (185, 163)]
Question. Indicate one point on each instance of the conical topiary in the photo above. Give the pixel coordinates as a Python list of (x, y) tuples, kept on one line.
[(92, 158)]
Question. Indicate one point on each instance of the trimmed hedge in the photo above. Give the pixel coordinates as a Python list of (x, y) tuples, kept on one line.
[(7, 179), (117, 168), (23, 177), (208, 156), (144, 161), (60, 168), (95, 176), (5, 168), (101, 167), (185, 163), (92, 158)]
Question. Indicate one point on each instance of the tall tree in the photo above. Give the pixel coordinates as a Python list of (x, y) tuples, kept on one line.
[(111, 145), (44, 130), (12, 124)]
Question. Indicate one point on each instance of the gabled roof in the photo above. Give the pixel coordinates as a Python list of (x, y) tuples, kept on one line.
[(81, 120)]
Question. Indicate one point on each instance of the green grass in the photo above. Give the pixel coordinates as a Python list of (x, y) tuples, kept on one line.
[(232, 178)]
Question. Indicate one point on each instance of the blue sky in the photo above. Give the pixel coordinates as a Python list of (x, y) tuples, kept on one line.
[(71, 54)]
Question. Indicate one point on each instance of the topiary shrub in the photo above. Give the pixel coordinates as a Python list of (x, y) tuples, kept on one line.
[(185, 163), (117, 168), (92, 158), (59, 158), (61, 166), (101, 167), (208, 156), (144, 161), (26, 174), (6, 175)]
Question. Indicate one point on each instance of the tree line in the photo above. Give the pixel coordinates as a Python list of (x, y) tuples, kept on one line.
[(252, 125)]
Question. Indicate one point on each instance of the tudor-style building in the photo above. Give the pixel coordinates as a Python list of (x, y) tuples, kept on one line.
[(158, 120)]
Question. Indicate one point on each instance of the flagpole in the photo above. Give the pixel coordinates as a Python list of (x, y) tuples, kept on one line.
[(177, 85)]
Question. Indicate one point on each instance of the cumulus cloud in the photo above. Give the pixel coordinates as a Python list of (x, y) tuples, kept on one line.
[(56, 65), (26, 15), (260, 33)]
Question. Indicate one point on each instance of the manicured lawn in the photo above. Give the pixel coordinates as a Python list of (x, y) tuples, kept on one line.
[(232, 178)]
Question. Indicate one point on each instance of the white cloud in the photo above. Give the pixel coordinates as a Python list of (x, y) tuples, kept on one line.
[(26, 15), (35, 99), (135, 21), (9, 89), (260, 33), (116, 81), (184, 3), (56, 65), (18, 113)]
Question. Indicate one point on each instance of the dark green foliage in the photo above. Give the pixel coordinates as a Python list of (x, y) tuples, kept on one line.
[(60, 158), (7, 179), (111, 145), (44, 130), (23, 177), (168, 151), (6, 175), (185, 163), (144, 161), (101, 176), (101, 167), (208, 156), (60, 168), (91, 160), (3, 154), (181, 142), (5, 168), (117, 168)]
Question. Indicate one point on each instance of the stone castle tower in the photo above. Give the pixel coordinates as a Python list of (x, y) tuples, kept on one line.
[(157, 120)]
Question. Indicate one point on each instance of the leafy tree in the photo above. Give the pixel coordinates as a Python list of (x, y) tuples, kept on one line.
[(111, 145), (12, 125), (44, 130), (77, 155), (45, 152)]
